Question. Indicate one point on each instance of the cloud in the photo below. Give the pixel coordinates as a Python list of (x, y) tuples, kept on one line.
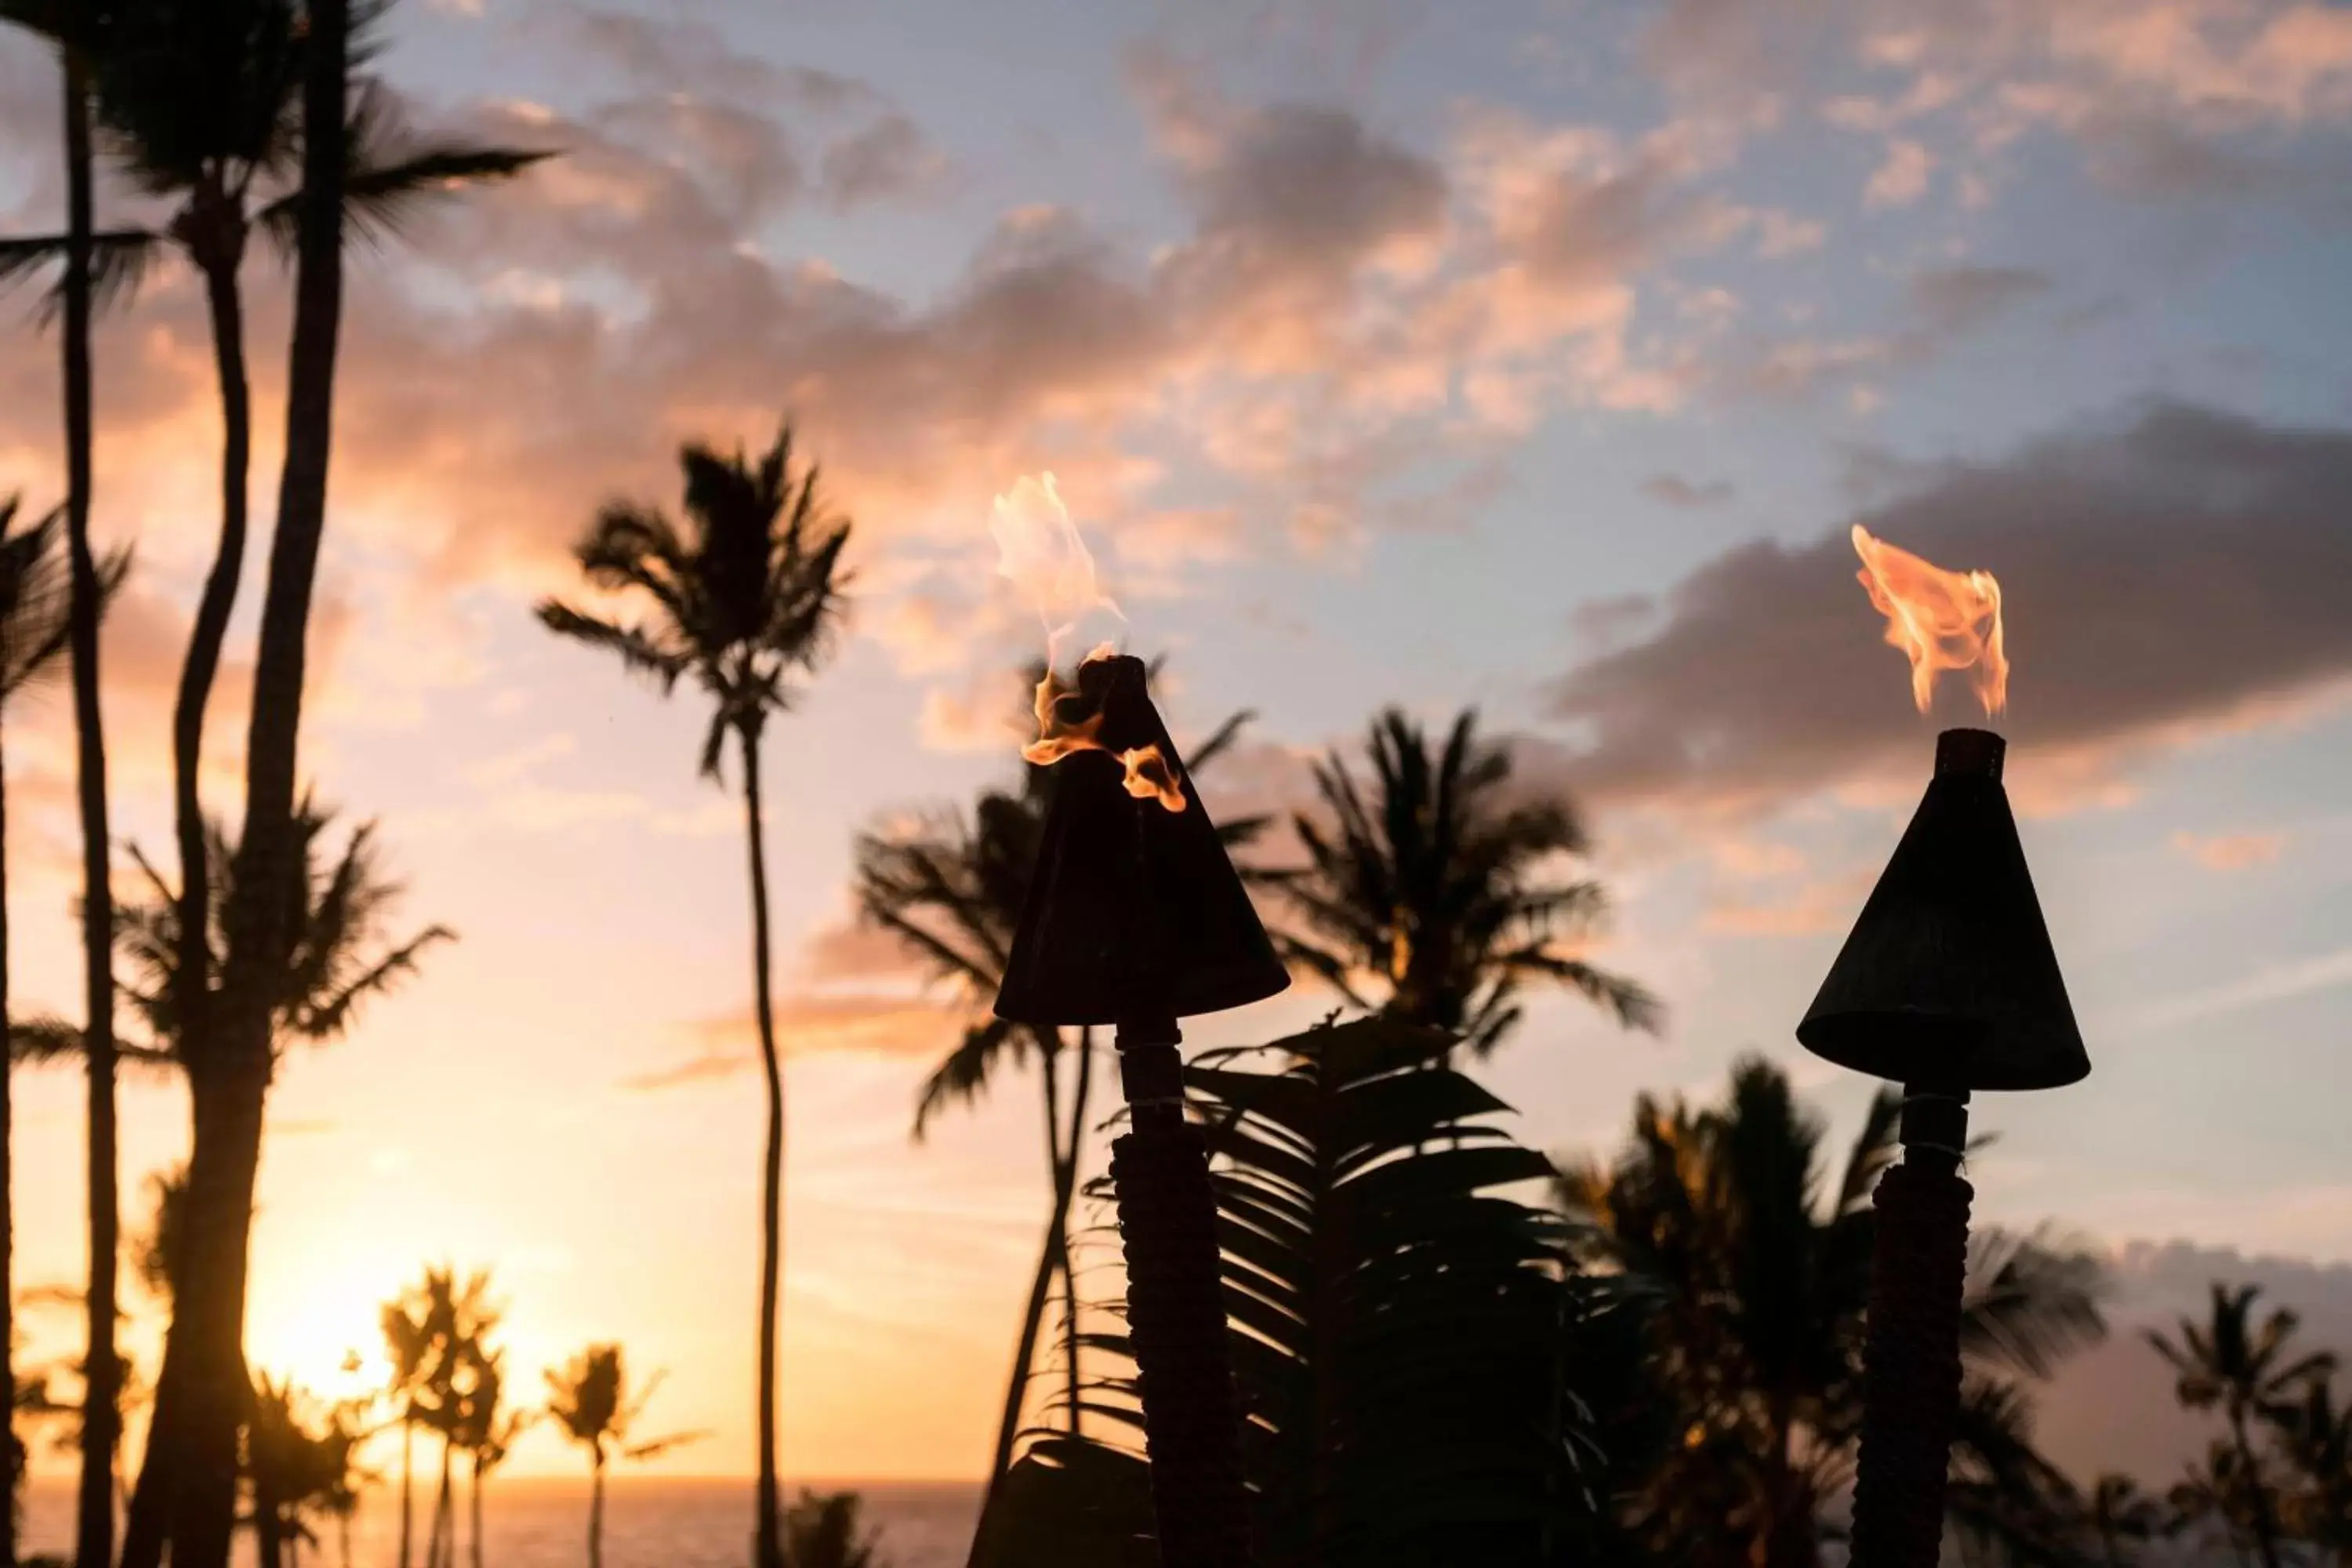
[(889, 160), (1938, 307), (2161, 96), (2231, 851), (2281, 981), (1901, 179), (2164, 579), (865, 1025), (1675, 490)]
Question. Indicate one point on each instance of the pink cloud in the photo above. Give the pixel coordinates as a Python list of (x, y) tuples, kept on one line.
[(2231, 851)]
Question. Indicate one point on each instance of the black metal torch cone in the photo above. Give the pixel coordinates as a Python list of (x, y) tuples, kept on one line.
[(1947, 985), (1949, 977), (1136, 917), (1134, 911)]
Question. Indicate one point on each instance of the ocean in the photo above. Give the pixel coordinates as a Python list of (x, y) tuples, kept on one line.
[(542, 1523)]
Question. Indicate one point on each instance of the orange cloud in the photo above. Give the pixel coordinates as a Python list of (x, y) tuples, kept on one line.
[(865, 1025), (2231, 851)]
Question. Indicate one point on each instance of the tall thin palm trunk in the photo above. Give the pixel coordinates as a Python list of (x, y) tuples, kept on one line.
[(768, 1546), (1052, 1258), (2265, 1522), (7, 1221), (473, 1503), (442, 1553), (596, 1511), (1072, 1145), (101, 1414), (407, 1485)]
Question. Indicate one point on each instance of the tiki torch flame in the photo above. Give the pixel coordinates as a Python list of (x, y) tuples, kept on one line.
[(1039, 548), (1941, 620)]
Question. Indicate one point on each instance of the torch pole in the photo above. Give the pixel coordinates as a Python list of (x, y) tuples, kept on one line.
[(1911, 1356), (1175, 1309)]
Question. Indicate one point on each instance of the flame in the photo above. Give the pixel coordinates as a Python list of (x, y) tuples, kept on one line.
[(1040, 549), (1149, 776), (1941, 620)]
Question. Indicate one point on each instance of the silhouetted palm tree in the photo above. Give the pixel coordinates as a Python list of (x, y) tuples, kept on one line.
[(2217, 1491), (298, 1463), (408, 1345), (79, 33), (2315, 1437), (1431, 887), (951, 891), (589, 1399), (744, 598), (201, 107), (823, 1530), (487, 1434), (2247, 1371), (34, 627), (1757, 1291)]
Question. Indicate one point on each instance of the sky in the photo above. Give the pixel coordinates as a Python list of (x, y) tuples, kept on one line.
[(1536, 356)]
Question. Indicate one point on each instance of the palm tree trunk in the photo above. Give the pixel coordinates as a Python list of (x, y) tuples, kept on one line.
[(258, 918), (7, 1220), (768, 1548), (197, 675), (1072, 1145), (407, 1485), (102, 1418), (2258, 1493), (1041, 1283), (474, 1502), (444, 1553), (597, 1511)]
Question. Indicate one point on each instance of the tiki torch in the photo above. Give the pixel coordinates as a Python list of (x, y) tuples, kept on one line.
[(1947, 984), (1135, 919)]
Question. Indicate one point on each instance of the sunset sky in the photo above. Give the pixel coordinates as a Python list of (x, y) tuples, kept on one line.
[(1534, 355)]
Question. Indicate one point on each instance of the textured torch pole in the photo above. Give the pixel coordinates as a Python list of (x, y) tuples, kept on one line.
[(1175, 1309), (1136, 919), (1947, 984)]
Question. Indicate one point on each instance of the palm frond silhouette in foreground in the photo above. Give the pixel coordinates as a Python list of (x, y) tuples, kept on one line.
[(744, 597), (1427, 884)]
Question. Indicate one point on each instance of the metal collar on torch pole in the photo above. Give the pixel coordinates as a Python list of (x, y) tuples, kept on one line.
[(1934, 1121)]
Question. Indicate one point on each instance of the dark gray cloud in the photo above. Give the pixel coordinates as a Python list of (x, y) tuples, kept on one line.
[(1949, 301), (2181, 570), (1309, 186)]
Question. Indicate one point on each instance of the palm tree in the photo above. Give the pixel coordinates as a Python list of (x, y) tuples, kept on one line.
[(822, 1530), (2121, 1518), (2217, 1491), (1756, 1289), (953, 892), (589, 1400), (458, 1319), (2248, 1371), (79, 33), (408, 1345), (2316, 1438), (487, 1435), (296, 1463), (34, 627), (745, 598), (1431, 887)]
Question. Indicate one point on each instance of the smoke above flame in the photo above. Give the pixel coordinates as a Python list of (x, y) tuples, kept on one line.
[(1941, 620), (1040, 550)]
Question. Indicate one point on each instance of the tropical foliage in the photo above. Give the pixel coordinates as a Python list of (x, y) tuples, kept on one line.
[(1430, 892), (1748, 1256)]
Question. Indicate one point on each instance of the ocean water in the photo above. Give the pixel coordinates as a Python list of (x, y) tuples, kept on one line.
[(542, 1523)]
